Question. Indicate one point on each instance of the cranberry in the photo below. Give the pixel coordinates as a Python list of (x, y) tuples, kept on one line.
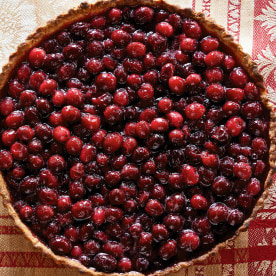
[(235, 94), (217, 213), (116, 197), (189, 175), (143, 15), (112, 142), (113, 114), (194, 111), (60, 245), (221, 186), (168, 250), (121, 97), (242, 170), (159, 125), (251, 91), (157, 43), (36, 57), (26, 213), (105, 82), (44, 212), (56, 163), (238, 77), (198, 202), (235, 125), (98, 216), (146, 92), (188, 45), (164, 29), (235, 217), (124, 265), (91, 122), (105, 262), (188, 240), (213, 75), (154, 208)]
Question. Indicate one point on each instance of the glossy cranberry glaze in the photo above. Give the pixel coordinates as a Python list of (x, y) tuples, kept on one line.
[(133, 140)]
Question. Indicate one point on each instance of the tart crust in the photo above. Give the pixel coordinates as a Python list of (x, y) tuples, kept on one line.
[(86, 10)]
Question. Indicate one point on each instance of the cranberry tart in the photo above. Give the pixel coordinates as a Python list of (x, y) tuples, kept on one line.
[(135, 137)]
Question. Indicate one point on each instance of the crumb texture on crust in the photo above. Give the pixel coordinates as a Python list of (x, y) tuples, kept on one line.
[(86, 10)]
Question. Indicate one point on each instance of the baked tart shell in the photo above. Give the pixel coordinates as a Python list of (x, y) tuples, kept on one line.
[(86, 10)]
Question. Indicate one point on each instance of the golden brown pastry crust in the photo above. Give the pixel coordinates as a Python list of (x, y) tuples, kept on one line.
[(86, 10)]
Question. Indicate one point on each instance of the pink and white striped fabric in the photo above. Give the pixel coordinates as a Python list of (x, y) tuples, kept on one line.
[(253, 24)]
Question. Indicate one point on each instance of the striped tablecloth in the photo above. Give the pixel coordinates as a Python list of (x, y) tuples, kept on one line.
[(253, 24)]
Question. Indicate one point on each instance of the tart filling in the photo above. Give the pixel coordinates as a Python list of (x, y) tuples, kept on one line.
[(133, 140)]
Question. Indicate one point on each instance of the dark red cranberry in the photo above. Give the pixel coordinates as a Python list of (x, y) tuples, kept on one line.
[(242, 170), (60, 245), (188, 240), (217, 213), (143, 15), (168, 250), (238, 77), (199, 202), (189, 175), (105, 262), (44, 212), (221, 186)]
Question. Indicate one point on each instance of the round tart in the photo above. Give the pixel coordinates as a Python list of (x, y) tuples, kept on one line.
[(135, 137)]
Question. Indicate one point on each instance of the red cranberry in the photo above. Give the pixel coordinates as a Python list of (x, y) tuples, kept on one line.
[(124, 265), (235, 217), (188, 240), (44, 212), (188, 45), (106, 82), (26, 213), (173, 222), (64, 204), (189, 175), (217, 213), (221, 186), (154, 208), (146, 92), (159, 125), (235, 125), (56, 163), (238, 77), (194, 111), (91, 122), (143, 15), (113, 114), (112, 142), (121, 97), (164, 29), (157, 43), (168, 250), (19, 151), (24, 133), (235, 94), (214, 58), (213, 75), (60, 245), (191, 28), (136, 49), (105, 262), (215, 92), (242, 170), (198, 202), (116, 197), (71, 114), (231, 108), (251, 91), (36, 57)]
